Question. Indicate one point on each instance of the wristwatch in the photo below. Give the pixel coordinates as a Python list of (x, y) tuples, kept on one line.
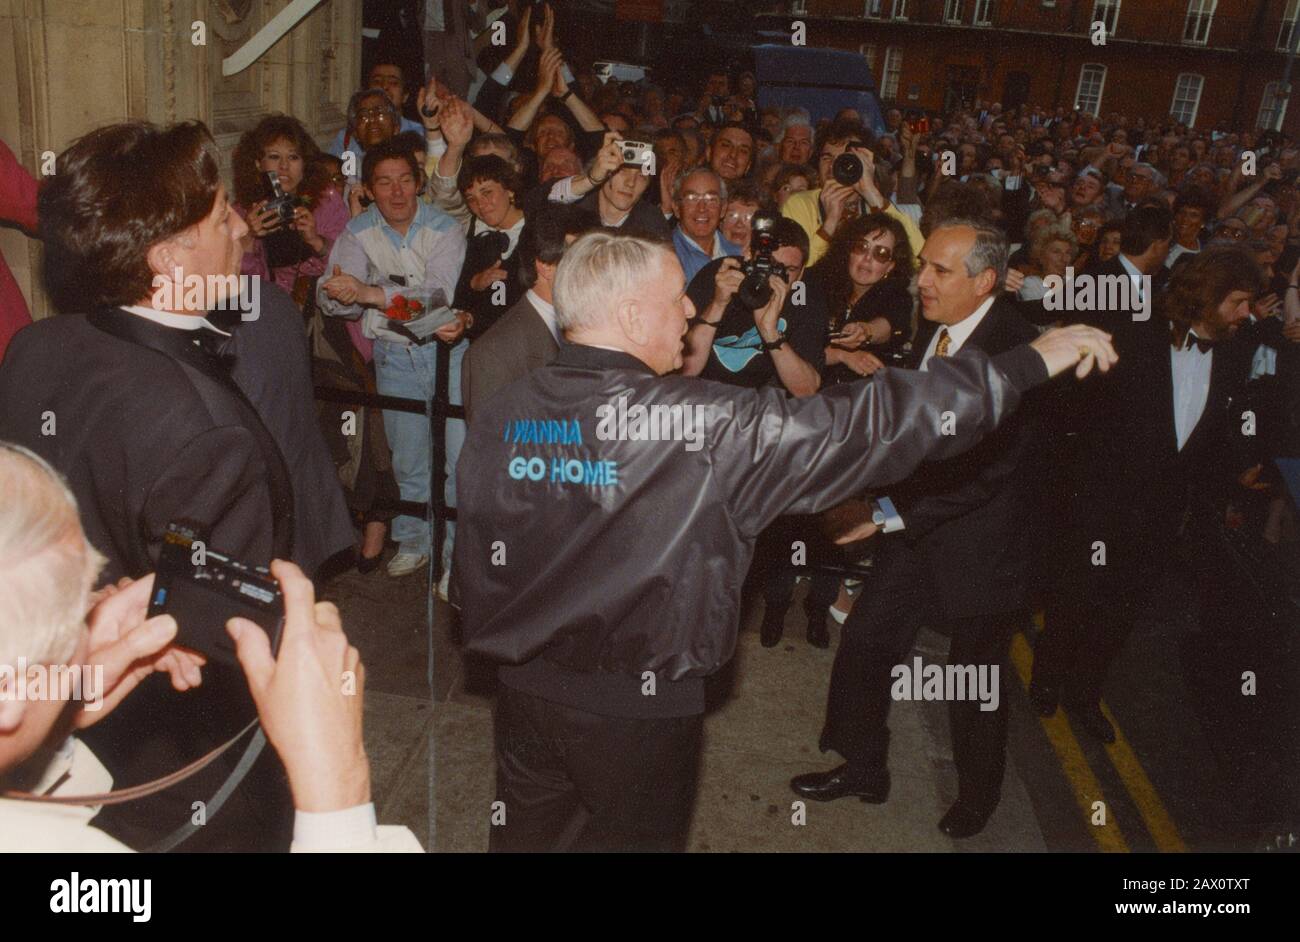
[(779, 341), (565, 96), (877, 515)]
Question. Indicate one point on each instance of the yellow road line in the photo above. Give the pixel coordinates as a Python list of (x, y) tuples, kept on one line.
[(1158, 822), (1082, 781)]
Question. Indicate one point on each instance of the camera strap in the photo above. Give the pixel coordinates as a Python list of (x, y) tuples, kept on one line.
[(123, 795)]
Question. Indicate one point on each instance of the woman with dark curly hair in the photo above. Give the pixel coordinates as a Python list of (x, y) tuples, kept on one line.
[(493, 191), (292, 253), (865, 274)]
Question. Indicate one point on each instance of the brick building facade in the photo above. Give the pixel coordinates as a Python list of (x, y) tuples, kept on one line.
[(1212, 63)]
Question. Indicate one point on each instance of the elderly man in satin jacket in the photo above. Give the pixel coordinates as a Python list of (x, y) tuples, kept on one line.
[(609, 515)]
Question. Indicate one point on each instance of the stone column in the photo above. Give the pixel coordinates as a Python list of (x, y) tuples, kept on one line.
[(71, 65)]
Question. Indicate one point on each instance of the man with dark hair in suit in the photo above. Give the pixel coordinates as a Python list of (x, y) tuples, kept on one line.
[(526, 337), (1144, 245), (126, 396), (951, 554), (1160, 439)]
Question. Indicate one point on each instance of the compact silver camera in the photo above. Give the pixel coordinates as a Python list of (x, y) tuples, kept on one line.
[(637, 154)]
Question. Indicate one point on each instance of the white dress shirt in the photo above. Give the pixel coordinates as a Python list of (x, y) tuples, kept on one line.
[(547, 310), (1134, 276), (168, 319), (959, 332), (1191, 371)]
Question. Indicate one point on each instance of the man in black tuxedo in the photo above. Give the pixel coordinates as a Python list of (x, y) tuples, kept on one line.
[(1144, 245), (527, 335), (951, 554), (130, 400), (1161, 449)]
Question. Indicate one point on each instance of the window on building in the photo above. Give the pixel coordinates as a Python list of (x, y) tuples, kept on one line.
[(1272, 108), (1199, 15), (1187, 98), (892, 72), (900, 10), (952, 11), (1092, 81), (1107, 11), (984, 10), (1286, 36), (868, 51), (872, 10)]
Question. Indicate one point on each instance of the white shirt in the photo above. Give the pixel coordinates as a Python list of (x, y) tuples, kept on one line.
[(512, 234), (547, 310), (1134, 275), (1176, 250), (959, 332), (168, 319), (1191, 371)]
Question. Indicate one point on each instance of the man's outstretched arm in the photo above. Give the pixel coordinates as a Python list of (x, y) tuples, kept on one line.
[(775, 456)]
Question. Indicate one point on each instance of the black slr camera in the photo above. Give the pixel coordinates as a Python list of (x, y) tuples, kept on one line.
[(847, 168), (754, 291)]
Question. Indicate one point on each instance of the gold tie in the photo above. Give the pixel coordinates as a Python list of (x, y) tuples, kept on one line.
[(941, 349)]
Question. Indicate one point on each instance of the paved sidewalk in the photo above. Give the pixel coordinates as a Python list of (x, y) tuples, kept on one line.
[(763, 731)]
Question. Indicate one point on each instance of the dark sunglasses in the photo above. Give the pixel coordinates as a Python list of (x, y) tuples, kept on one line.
[(881, 253)]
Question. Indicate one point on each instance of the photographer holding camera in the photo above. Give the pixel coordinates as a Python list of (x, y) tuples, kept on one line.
[(848, 175), (53, 622), (753, 329)]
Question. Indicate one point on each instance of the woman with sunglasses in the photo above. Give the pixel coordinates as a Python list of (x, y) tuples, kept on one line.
[(865, 274)]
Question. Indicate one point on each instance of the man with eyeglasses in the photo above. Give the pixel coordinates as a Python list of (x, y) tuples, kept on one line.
[(372, 119), (1231, 230), (1140, 183), (698, 198)]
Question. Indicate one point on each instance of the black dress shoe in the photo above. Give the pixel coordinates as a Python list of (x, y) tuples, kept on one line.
[(773, 626), (1044, 698), (368, 564), (871, 785), (819, 636), (1092, 721), (963, 820)]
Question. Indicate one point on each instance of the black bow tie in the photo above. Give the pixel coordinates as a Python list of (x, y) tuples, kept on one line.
[(217, 346), (1205, 346)]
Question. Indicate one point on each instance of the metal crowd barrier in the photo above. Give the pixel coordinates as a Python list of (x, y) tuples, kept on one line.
[(438, 412)]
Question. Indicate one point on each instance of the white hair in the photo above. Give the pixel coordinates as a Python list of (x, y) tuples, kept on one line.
[(798, 119), (47, 568), (599, 271)]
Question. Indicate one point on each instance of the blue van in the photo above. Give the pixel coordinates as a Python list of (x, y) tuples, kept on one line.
[(823, 81)]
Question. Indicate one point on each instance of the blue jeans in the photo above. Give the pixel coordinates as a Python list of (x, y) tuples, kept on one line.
[(410, 372)]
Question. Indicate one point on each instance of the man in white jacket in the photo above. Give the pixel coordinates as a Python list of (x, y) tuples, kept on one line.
[(51, 627)]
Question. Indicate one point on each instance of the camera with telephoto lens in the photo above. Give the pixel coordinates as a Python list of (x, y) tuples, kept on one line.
[(847, 168), (755, 291)]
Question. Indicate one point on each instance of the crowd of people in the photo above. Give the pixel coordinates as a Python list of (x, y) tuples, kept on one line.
[(826, 270)]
